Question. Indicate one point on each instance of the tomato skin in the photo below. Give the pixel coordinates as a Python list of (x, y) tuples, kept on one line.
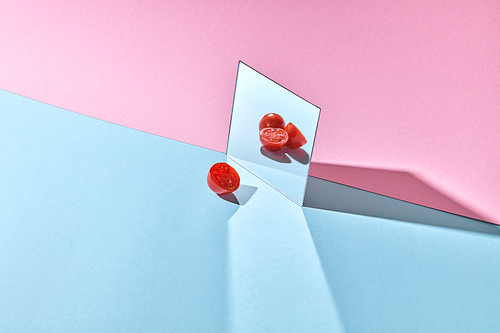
[(273, 139), (222, 178), (272, 120), (295, 137)]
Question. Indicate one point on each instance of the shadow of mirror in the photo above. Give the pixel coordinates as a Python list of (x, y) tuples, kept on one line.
[(396, 184), (256, 96), (332, 196)]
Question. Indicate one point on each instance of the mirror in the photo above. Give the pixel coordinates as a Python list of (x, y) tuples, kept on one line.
[(255, 96)]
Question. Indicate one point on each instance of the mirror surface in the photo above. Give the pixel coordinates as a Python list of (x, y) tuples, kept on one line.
[(255, 96)]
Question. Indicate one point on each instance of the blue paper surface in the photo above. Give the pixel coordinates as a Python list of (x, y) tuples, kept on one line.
[(108, 229), (392, 276)]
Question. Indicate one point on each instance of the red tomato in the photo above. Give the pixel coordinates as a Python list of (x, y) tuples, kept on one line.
[(272, 120), (295, 138), (222, 178), (273, 139)]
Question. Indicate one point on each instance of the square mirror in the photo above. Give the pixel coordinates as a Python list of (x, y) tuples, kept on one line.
[(286, 168)]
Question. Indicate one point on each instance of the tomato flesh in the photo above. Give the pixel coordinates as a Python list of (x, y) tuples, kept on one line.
[(295, 137), (273, 139), (272, 120), (222, 178)]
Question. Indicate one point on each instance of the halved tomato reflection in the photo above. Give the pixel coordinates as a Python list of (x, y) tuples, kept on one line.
[(222, 178), (295, 137), (273, 139)]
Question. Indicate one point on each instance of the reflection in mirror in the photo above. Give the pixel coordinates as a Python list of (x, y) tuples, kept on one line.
[(257, 148)]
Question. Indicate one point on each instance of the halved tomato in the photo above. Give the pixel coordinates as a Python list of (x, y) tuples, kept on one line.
[(295, 137), (273, 139), (272, 120), (222, 178)]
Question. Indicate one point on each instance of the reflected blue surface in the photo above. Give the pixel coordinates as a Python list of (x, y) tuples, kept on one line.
[(256, 96)]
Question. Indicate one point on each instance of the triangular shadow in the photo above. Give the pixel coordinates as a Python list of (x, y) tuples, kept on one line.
[(396, 184), (328, 195)]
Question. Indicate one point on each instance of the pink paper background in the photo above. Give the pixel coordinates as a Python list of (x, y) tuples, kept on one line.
[(411, 86)]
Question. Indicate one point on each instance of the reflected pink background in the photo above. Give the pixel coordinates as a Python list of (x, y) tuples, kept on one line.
[(403, 85)]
